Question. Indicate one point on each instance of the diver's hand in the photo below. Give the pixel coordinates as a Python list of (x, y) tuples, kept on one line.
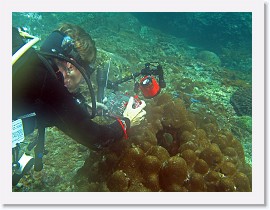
[(135, 115)]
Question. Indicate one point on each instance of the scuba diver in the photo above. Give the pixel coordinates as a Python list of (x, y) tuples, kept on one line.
[(45, 94)]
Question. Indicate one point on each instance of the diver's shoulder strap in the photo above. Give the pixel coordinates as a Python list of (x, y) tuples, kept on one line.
[(21, 51), (18, 42)]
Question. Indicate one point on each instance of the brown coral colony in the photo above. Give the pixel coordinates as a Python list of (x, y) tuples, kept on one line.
[(171, 153)]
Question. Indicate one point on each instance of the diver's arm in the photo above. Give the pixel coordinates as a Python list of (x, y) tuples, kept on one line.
[(75, 121), (35, 89)]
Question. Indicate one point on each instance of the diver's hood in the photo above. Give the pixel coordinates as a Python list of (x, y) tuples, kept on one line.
[(59, 43)]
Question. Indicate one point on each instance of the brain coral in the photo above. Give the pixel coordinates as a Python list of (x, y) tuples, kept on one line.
[(241, 101), (169, 152)]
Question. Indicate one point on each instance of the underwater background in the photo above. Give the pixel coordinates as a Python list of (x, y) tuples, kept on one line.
[(197, 135)]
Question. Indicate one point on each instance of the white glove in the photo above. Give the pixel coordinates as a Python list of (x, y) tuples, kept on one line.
[(134, 115)]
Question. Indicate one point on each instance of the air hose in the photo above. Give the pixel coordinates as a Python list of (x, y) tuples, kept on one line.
[(82, 71)]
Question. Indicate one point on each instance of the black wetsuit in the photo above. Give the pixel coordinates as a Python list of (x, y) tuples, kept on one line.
[(36, 89)]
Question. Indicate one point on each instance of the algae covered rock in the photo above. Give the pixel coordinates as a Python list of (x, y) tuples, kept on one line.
[(241, 101), (208, 58)]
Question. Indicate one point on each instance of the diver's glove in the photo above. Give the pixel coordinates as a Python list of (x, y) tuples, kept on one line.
[(135, 115)]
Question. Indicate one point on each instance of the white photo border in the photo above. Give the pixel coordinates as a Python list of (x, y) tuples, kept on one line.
[(257, 196)]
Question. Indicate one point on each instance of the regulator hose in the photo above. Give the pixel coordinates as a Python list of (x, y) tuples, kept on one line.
[(83, 72)]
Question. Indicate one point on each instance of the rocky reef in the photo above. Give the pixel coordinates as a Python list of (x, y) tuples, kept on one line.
[(169, 152), (241, 101)]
